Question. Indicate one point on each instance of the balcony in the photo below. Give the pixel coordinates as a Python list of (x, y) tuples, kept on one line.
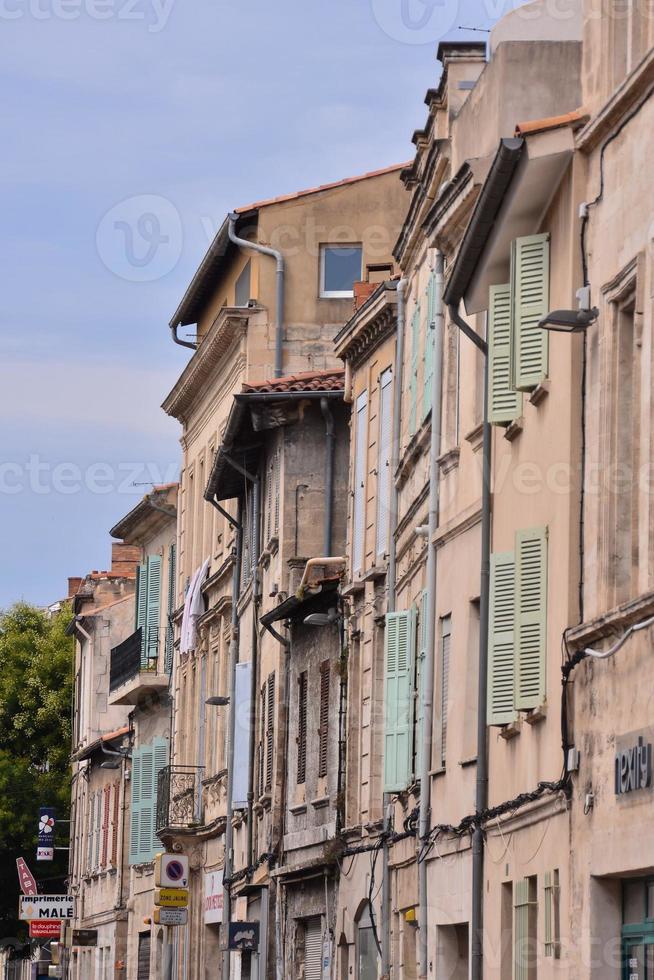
[(179, 798), (132, 676)]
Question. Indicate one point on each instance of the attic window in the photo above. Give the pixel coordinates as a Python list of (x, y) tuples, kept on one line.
[(340, 268)]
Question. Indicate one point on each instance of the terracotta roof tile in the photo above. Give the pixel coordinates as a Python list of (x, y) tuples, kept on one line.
[(576, 118), (323, 187), (330, 380)]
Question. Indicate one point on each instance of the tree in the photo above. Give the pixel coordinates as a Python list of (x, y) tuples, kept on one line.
[(36, 668)]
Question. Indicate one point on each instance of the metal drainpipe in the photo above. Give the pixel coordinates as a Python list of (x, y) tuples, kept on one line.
[(427, 679), (481, 789), (390, 585), (181, 343), (329, 475), (279, 258), (254, 679), (228, 864)]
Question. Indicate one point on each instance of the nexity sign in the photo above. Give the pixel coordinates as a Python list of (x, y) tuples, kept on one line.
[(33, 907)]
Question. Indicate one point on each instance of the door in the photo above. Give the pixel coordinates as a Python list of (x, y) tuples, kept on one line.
[(143, 967), (313, 949)]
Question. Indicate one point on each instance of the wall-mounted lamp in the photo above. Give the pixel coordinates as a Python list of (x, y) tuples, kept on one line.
[(218, 699), (321, 619), (569, 321)]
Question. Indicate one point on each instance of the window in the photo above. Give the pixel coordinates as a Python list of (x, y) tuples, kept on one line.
[(302, 693), (267, 740), (359, 504), (399, 652), (323, 731), (242, 288), (147, 763), (446, 637), (271, 517), (340, 268), (552, 914), (384, 475), (525, 919), (518, 627)]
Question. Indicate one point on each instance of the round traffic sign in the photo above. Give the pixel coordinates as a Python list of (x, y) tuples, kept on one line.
[(175, 870)]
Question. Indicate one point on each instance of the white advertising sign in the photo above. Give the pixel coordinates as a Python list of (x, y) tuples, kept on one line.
[(46, 907), (242, 723), (213, 896)]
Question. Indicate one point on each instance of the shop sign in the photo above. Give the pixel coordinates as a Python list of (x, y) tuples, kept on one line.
[(213, 897), (46, 907), (26, 879), (244, 935), (46, 929), (45, 849), (633, 767)]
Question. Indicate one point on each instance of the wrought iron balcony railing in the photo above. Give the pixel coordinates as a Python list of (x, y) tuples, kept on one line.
[(132, 656), (179, 791)]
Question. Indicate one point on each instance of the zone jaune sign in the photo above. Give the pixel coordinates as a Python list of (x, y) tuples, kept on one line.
[(175, 898), (35, 907)]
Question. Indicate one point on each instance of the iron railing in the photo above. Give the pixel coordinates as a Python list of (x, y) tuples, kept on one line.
[(129, 658), (178, 797)]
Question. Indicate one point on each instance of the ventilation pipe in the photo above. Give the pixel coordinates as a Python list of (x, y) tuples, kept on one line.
[(279, 258)]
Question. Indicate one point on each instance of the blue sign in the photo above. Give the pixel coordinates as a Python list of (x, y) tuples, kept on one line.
[(45, 849)]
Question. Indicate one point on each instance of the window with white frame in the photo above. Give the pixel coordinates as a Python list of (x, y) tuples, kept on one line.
[(359, 503), (340, 268)]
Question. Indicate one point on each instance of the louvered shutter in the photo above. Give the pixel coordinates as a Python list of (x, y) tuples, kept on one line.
[(530, 282), (323, 731), (302, 728), (501, 640), (521, 930), (359, 507), (430, 339), (276, 491), (154, 607), (98, 829), (106, 820), (245, 544), (115, 825), (399, 643), (313, 949), (160, 754), (420, 674), (242, 733), (413, 380), (531, 617), (384, 475), (147, 802), (504, 403), (142, 605), (262, 736), (270, 731), (170, 638), (268, 519), (90, 831), (446, 639), (135, 809)]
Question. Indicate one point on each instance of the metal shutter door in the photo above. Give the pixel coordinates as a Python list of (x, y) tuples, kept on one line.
[(313, 949), (144, 956)]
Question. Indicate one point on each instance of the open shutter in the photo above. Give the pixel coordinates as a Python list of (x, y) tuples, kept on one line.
[(115, 825), (530, 288), (170, 636), (413, 380), (154, 607), (302, 728), (142, 605), (160, 754), (501, 648), (504, 403), (276, 490), (430, 338), (531, 617), (135, 809), (521, 953), (106, 820), (148, 792), (323, 731), (359, 506), (446, 639), (90, 832), (384, 475), (399, 643), (270, 731), (420, 673)]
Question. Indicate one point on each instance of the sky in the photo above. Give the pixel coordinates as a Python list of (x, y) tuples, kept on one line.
[(130, 128)]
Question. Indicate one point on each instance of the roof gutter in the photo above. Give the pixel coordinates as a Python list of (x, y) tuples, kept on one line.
[(279, 258), (174, 327)]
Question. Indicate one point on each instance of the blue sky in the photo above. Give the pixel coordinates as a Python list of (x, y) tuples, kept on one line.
[(178, 110)]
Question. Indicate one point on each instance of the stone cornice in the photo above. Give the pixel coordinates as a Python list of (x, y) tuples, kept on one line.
[(635, 89), (610, 623), (369, 327)]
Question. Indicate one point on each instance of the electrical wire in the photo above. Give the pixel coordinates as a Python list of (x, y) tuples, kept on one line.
[(373, 861)]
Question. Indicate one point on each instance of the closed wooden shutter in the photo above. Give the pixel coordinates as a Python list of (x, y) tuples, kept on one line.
[(135, 809), (430, 339), (262, 738), (446, 639), (115, 825), (170, 636), (276, 491), (323, 731), (504, 402), (142, 605), (530, 279), (270, 731), (531, 617), (242, 733), (384, 475), (420, 674), (147, 800), (143, 965), (552, 917), (90, 831), (359, 505), (521, 930), (154, 607), (413, 380), (302, 727), (399, 643), (313, 949), (97, 838), (106, 821), (501, 640)]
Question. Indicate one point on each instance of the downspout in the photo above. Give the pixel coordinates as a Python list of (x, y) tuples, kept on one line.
[(329, 475), (254, 675), (182, 343), (391, 579), (481, 789), (228, 864), (426, 693), (279, 258)]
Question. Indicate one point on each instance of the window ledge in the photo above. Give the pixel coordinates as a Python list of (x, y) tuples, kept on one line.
[(540, 392), (536, 715), (449, 460), (298, 809), (472, 761), (320, 802), (440, 771), (514, 429), (354, 587), (475, 437), (507, 732)]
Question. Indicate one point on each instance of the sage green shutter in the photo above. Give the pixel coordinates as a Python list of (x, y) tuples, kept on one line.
[(504, 403), (399, 644), (413, 381), (142, 605), (420, 674), (154, 607), (135, 809), (501, 640), (531, 616), (170, 637), (160, 754), (530, 282), (430, 336), (521, 930)]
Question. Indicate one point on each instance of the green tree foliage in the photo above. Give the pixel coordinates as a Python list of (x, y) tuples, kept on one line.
[(36, 668)]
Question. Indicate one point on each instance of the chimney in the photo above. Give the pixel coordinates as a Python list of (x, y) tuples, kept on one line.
[(74, 583), (124, 559)]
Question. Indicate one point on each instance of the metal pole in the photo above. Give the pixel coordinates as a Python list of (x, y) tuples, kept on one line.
[(233, 660), (167, 971), (426, 693)]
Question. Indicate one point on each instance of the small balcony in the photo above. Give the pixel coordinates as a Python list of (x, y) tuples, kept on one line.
[(133, 675), (179, 798)]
